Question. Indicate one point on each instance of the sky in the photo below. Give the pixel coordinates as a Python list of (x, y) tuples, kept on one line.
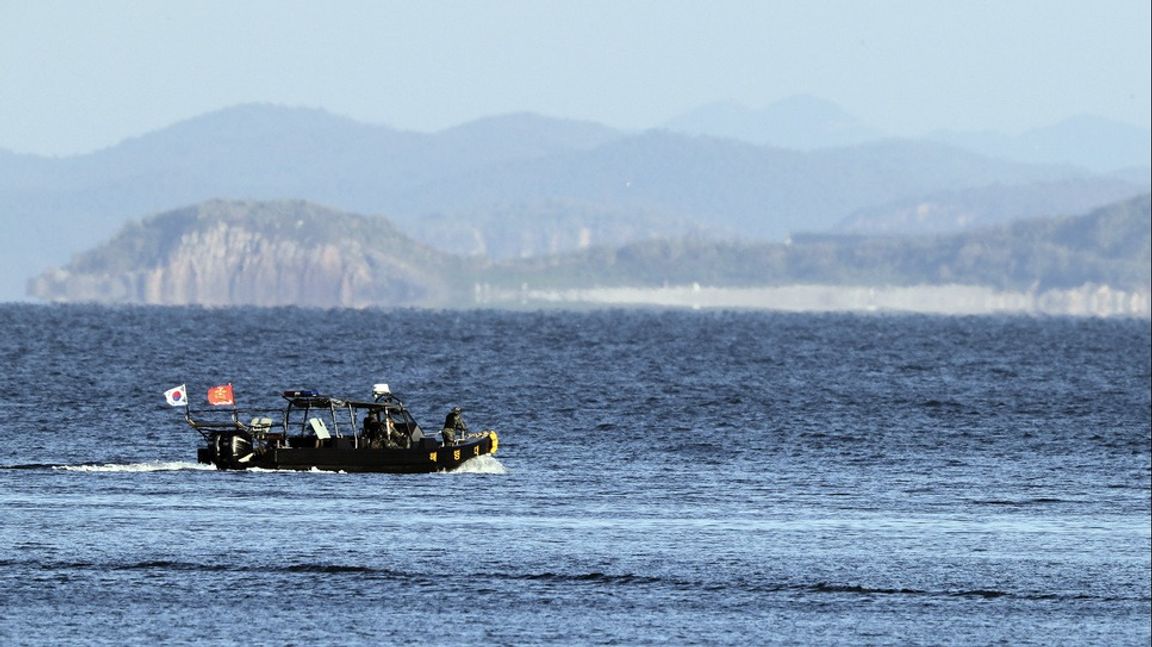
[(79, 75)]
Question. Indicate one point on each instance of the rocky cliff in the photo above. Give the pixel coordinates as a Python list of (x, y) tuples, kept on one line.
[(255, 253)]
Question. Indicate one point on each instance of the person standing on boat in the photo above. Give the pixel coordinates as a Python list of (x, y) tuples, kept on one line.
[(453, 422), (373, 431)]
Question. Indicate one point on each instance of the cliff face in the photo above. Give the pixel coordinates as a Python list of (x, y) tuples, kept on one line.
[(262, 254)]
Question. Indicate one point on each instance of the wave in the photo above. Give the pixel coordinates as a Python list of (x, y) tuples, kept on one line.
[(824, 587), (753, 587), (1023, 502), (770, 587), (162, 565), (593, 578), (486, 464), (152, 466), (816, 588)]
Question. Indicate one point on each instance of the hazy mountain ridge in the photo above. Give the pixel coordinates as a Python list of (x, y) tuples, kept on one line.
[(801, 122), (809, 123), (959, 210), (296, 253), (505, 187), (737, 188), (1111, 245), (1101, 145)]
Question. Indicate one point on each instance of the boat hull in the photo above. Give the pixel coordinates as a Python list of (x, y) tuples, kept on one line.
[(431, 457)]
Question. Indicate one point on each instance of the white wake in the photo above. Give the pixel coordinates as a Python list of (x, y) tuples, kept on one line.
[(153, 466), (486, 464)]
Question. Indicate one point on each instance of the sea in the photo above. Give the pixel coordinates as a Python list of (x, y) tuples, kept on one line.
[(664, 477)]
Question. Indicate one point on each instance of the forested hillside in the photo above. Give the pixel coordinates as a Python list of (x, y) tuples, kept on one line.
[(1108, 246)]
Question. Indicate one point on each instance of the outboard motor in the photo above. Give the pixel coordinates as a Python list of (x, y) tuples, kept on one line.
[(233, 447)]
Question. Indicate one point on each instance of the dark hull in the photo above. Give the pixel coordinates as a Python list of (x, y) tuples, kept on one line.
[(347, 459)]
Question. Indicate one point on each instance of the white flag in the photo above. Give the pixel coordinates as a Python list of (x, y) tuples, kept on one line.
[(177, 396)]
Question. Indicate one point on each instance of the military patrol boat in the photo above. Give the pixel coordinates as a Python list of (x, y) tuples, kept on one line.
[(322, 432)]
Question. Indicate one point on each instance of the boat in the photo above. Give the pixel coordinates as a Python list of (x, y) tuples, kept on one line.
[(328, 433)]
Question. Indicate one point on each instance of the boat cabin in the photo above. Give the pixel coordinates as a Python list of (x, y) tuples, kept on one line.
[(314, 420)]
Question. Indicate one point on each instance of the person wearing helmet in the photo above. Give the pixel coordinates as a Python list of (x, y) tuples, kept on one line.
[(453, 422), (373, 431)]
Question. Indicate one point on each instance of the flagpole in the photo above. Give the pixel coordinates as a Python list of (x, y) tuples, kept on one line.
[(235, 411), (187, 405)]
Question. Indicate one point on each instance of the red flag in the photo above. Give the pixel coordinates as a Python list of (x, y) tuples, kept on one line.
[(221, 395)]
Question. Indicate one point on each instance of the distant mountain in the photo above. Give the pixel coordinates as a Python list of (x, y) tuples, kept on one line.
[(800, 122), (521, 136), (296, 253), (1110, 246), (1134, 175), (966, 209), (808, 123), (254, 253), (676, 183), (1098, 144), (263, 151), (56, 207), (505, 187)]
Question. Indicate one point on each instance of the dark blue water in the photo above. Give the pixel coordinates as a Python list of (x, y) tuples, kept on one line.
[(663, 478)]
